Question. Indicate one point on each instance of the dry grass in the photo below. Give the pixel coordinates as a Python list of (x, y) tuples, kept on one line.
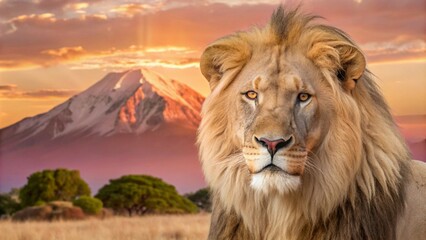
[(116, 228)]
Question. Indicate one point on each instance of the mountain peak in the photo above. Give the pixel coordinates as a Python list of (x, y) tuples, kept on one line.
[(129, 79)]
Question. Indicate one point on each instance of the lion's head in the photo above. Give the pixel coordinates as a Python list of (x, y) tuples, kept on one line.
[(294, 120)]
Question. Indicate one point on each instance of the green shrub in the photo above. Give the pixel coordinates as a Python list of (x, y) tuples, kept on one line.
[(201, 198), (89, 205)]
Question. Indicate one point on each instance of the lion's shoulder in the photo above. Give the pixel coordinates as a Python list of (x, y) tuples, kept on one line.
[(412, 224)]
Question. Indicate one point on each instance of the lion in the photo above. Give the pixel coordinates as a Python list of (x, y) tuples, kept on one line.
[(297, 142)]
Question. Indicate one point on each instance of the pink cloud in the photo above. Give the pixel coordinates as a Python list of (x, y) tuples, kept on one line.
[(13, 8), (397, 24)]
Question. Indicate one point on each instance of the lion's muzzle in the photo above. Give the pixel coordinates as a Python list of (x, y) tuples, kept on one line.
[(278, 156), (273, 145)]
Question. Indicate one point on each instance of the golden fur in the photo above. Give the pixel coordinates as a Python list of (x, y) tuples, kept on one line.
[(344, 170)]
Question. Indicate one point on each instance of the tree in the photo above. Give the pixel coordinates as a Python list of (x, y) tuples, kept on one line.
[(89, 205), (201, 198), (141, 194), (51, 185), (8, 205)]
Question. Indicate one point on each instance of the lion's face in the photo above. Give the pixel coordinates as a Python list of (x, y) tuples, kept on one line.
[(280, 109)]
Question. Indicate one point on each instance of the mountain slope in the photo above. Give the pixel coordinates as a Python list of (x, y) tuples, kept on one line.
[(130, 122)]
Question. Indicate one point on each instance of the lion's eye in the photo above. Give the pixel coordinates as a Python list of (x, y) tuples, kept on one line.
[(252, 95), (303, 97)]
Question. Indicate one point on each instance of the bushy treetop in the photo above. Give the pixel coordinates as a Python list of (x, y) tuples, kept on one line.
[(140, 194), (51, 185)]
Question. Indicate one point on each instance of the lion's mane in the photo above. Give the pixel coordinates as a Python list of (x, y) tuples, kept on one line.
[(355, 190)]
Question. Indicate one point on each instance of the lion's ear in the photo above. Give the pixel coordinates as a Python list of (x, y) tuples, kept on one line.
[(223, 55), (352, 66), (334, 51)]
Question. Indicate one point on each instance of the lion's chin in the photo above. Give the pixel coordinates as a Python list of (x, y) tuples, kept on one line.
[(274, 181)]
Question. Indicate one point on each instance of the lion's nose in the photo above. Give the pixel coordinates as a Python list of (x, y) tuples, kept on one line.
[(274, 145)]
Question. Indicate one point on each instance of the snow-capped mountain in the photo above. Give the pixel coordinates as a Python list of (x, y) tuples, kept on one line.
[(134, 101), (130, 122)]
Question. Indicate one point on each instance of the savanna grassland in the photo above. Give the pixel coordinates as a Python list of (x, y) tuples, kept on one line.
[(155, 227)]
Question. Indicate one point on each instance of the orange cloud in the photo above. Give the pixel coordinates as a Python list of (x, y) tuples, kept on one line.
[(66, 53), (11, 65), (114, 59), (167, 49), (11, 91), (77, 6), (131, 9), (38, 94), (137, 56), (49, 17), (99, 17)]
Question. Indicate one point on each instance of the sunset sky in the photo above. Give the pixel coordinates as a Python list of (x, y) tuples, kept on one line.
[(53, 49)]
